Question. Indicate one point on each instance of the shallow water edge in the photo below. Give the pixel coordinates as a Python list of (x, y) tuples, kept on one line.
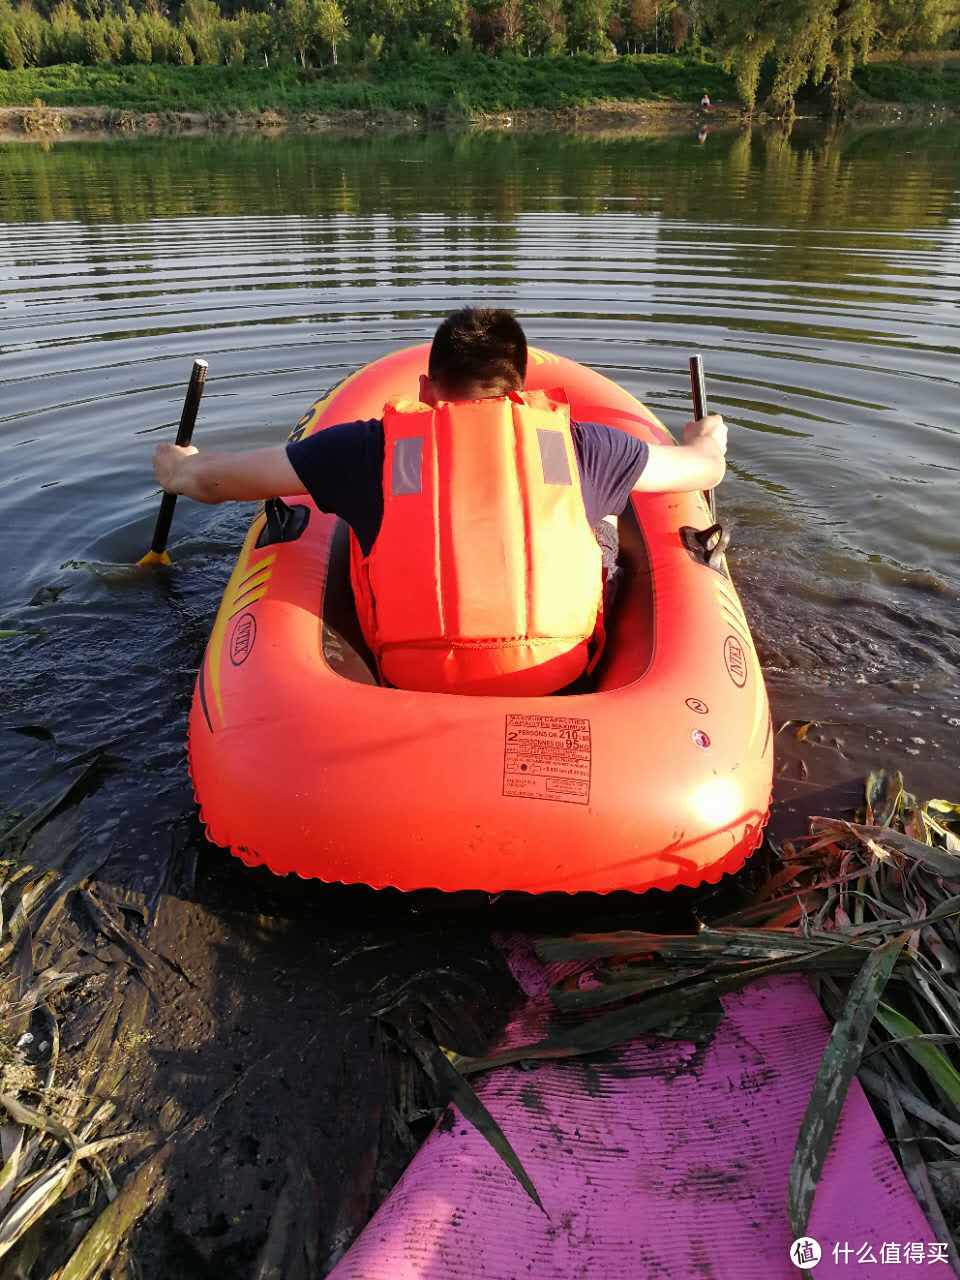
[(31, 123)]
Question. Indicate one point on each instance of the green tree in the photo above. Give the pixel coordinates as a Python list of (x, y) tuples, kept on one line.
[(204, 43), (311, 22), (512, 25), (298, 26), (139, 43), (486, 25), (182, 51), (587, 25), (329, 23), (820, 41), (545, 26), (917, 24), (373, 49), (200, 24), (445, 22), (640, 18), (114, 35), (63, 40), (162, 35), (681, 25), (257, 35), (30, 28), (11, 50), (792, 42), (96, 51), (201, 13)]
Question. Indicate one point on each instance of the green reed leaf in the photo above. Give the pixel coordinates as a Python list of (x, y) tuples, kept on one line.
[(933, 1060), (838, 1066)]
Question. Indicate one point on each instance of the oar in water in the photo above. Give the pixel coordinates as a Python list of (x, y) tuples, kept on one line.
[(158, 553), (715, 540), (698, 389)]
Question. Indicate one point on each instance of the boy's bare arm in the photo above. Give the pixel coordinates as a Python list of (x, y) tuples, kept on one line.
[(699, 463), (225, 477)]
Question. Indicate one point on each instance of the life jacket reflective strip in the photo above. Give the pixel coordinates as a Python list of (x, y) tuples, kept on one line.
[(485, 576)]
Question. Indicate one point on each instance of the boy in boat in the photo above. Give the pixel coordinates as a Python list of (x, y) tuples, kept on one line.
[(483, 521)]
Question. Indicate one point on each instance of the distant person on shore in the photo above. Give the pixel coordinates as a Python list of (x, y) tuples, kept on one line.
[(705, 103), (493, 460)]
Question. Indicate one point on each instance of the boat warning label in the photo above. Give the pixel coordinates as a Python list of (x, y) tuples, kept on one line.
[(547, 758)]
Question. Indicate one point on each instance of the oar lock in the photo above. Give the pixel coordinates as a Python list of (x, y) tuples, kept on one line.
[(707, 546), (283, 524)]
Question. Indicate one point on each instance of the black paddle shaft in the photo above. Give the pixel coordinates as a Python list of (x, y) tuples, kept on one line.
[(188, 420), (698, 390)]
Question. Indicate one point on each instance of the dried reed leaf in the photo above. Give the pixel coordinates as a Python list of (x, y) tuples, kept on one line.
[(945, 808), (8, 1174), (884, 795), (915, 1169), (37, 1200), (106, 1235), (729, 944), (111, 927), (32, 1119), (291, 1250)]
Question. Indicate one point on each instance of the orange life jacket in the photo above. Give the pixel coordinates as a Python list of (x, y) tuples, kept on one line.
[(485, 576)]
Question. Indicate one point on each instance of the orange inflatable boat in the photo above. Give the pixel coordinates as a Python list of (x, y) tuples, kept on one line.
[(659, 776)]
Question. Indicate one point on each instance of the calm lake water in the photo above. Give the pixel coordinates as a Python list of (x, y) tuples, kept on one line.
[(820, 278)]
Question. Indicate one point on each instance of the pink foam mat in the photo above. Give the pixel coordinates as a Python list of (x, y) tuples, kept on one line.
[(663, 1160)]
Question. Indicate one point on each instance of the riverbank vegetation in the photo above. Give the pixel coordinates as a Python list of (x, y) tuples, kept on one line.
[(445, 56), (431, 85), (435, 87), (888, 82)]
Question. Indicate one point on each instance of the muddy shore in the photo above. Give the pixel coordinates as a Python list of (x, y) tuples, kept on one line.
[(38, 123)]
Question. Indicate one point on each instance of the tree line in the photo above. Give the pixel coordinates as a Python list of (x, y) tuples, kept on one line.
[(818, 41)]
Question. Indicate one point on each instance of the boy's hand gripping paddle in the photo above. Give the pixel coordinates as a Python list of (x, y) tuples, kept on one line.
[(158, 547), (698, 389)]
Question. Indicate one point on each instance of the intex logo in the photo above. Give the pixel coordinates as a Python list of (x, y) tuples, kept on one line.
[(736, 663), (242, 638)]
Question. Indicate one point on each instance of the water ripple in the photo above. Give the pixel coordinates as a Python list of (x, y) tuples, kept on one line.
[(828, 319)]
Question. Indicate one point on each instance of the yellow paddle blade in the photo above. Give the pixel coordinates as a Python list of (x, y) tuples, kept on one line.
[(153, 557)]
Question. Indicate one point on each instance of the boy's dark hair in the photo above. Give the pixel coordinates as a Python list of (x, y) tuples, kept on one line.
[(479, 349)]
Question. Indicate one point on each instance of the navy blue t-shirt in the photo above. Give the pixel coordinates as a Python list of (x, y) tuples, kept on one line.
[(342, 470)]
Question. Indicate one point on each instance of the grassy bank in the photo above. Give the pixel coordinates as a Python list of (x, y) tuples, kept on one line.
[(889, 82), (434, 87)]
